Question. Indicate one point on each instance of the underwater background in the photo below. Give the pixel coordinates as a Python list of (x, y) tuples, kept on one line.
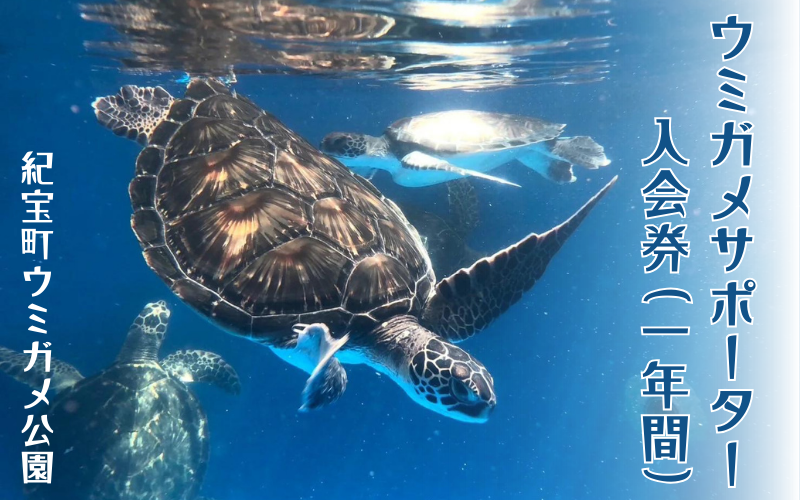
[(566, 359)]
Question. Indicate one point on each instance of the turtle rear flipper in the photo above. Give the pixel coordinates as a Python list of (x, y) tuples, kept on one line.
[(203, 366), (134, 111), (469, 300), (549, 167), (328, 380), (581, 150), (62, 375)]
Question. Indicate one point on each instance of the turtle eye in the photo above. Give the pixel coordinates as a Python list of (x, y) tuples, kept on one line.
[(463, 393)]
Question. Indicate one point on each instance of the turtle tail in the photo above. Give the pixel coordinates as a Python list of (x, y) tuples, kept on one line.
[(133, 112)]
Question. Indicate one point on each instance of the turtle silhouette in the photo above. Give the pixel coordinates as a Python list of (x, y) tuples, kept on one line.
[(134, 431), (438, 147)]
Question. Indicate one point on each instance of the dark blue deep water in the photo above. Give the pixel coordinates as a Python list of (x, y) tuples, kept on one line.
[(565, 359)]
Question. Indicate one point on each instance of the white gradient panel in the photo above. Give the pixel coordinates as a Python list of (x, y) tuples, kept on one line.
[(773, 437)]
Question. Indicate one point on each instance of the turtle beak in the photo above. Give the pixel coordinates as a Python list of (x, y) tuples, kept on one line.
[(487, 411), (473, 414)]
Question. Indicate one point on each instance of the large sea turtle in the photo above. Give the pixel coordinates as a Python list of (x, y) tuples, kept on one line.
[(275, 241), (134, 431), (438, 147)]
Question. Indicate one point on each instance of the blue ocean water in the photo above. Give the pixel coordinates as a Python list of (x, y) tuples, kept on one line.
[(565, 359)]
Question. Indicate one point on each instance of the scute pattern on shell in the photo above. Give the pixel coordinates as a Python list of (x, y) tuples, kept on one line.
[(466, 132), (255, 228)]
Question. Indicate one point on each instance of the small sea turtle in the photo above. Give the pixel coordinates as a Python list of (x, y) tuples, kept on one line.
[(445, 238), (438, 147), (275, 241), (133, 431)]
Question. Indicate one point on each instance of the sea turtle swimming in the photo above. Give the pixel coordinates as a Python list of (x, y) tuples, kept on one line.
[(274, 241), (437, 147), (134, 431), (445, 238)]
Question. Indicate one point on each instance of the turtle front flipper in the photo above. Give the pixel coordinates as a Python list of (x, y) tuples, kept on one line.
[(328, 380), (202, 366), (134, 111), (62, 375), (554, 160), (416, 169), (469, 300)]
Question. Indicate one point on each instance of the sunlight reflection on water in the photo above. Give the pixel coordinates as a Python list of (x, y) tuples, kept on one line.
[(425, 45)]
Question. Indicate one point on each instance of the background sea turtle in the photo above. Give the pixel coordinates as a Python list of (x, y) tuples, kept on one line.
[(445, 238), (438, 147), (274, 241), (635, 405), (133, 431)]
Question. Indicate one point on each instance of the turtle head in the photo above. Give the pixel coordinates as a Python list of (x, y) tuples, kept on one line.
[(146, 334), (435, 373), (346, 145), (448, 380)]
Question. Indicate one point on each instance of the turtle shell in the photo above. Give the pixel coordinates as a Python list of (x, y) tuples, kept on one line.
[(130, 432), (256, 229), (467, 132)]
